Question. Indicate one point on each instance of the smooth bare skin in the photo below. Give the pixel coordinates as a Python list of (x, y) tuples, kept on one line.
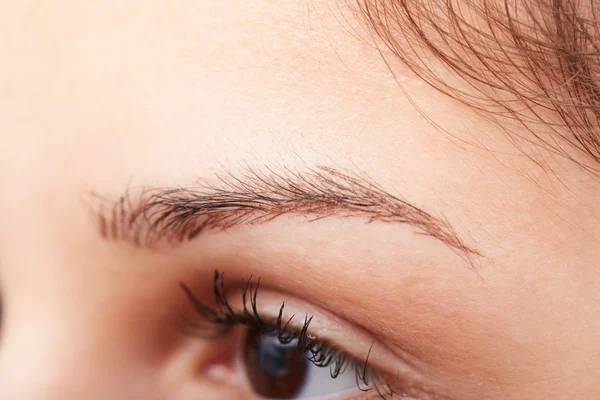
[(106, 96)]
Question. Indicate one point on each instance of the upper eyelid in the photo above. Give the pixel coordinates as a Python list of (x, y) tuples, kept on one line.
[(336, 332), (326, 353), (326, 326), (350, 338)]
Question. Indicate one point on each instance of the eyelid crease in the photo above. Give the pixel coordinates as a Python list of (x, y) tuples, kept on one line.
[(328, 330), (327, 327)]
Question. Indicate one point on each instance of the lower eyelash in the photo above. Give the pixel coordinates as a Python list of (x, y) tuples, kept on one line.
[(218, 321)]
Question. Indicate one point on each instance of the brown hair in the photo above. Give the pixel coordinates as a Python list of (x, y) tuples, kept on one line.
[(536, 62)]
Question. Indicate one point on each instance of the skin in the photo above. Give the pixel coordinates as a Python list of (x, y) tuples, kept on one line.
[(112, 95)]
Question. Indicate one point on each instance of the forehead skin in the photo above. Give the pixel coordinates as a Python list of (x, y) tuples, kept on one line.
[(111, 95)]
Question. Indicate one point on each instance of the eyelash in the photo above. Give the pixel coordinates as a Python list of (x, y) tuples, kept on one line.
[(217, 322)]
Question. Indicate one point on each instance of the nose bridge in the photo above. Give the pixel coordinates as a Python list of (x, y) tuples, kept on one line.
[(49, 351), (40, 359), (51, 354), (83, 319), (60, 335), (69, 327), (41, 367)]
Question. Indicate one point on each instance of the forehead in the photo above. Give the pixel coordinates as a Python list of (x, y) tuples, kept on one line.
[(139, 94)]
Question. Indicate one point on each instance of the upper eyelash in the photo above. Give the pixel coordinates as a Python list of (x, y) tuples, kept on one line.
[(218, 321)]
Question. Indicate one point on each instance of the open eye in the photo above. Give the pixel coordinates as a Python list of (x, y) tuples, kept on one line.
[(277, 370), (281, 359)]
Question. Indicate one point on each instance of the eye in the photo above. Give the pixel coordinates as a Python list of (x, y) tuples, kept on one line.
[(281, 359), (277, 370)]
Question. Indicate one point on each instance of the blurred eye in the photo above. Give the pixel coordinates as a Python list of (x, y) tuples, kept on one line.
[(277, 370)]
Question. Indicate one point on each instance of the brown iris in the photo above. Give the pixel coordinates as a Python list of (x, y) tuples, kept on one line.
[(275, 370)]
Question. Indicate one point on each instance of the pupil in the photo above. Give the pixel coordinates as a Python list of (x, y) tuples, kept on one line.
[(275, 370)]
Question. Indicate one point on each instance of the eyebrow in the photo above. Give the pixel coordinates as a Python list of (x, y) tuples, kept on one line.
[(148, 216)]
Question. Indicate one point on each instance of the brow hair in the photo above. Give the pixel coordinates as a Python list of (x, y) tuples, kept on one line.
[(536, 62), (149, 216)]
